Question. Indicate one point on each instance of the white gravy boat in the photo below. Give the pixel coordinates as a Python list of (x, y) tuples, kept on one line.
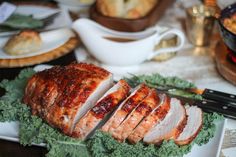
[(141, 48)]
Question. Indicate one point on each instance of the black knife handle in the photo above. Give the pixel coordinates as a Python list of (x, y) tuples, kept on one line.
[(210, 94), (210, 106)]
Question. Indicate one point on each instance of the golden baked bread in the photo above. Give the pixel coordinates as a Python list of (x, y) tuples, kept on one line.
[(86, 1), (26, 41), (128, 9)]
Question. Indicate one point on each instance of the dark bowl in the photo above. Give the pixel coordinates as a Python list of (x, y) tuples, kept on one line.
[(131, 25), (228, 37)]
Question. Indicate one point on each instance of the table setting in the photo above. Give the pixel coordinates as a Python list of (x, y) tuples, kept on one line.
[(118, 78)]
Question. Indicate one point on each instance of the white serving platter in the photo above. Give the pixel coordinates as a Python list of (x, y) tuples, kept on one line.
[(10, 131), (213, 147)]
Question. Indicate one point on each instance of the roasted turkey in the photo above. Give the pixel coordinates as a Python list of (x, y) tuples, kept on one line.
[(81, 98), (63, 94)]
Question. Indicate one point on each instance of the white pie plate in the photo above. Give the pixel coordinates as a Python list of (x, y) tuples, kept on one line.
[(77, 3), (10, 130), (53, 36), (50, 41)]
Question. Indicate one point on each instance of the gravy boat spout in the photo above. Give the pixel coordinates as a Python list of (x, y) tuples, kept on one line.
[(123, 48)]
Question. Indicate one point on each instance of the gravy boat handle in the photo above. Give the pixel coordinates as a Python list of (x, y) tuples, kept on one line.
[(159, 37)]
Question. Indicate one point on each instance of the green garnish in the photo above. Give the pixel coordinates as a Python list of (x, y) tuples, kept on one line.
[(103, 145), (156, 80), (18, 21), (34, 130), (171, 85)]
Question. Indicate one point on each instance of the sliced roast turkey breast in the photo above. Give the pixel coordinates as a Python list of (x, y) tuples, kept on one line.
[(133, 119), (126, 108), (63, 94), (151, 120), (170, 127), (103, 107), (193, 126)]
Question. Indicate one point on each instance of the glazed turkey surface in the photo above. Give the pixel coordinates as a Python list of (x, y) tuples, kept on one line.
[(80, 98), (63, 94)]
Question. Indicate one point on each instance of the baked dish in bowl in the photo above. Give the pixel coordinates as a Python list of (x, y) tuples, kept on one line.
[(127, 9), (227, 25), (128, 15)]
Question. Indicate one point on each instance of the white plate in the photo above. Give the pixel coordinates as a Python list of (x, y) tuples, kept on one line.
[(9, 131), (78, 3), (51, 40), (213, 147), (224, 3), (39, 11), (36, 11)]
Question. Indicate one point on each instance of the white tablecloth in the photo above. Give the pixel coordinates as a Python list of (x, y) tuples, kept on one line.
[(195, 64)]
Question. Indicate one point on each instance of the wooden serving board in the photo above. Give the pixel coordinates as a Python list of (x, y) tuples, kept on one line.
[(225, 67)]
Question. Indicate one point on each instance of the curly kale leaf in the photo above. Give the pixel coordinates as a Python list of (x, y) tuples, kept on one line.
[(68, 148), (209, 128), (171, 85), (158, 80), (12, 111), (15, 88), (34, 130), (10, 104), (103, 145)]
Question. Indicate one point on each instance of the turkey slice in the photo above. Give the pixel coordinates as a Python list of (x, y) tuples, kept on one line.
[(103, 107), (126, 108), (170, 127), (151, 120), (193, 126), (142, 110)]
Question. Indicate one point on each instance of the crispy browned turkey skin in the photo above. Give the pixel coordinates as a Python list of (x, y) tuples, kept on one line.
[(63, 94)]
